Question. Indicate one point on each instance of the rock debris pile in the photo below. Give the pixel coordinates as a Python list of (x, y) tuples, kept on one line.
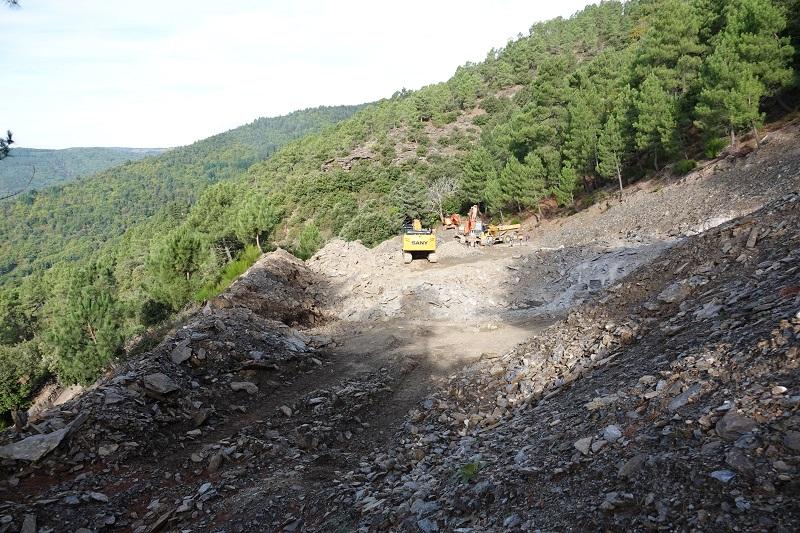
[(669, 401)]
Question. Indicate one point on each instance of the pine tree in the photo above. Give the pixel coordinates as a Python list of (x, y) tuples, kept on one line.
[(611, 149), (411, 199), (495, 199), (671, 49), (465, 85), (730, 102), (5, 144), (177, 264), (256, 220), (564, 191), (86, 333), (655, 121), (585, 122), (749, 61), (522, 184), (478, 170), (213, 214), (615, 139), (753, 28)]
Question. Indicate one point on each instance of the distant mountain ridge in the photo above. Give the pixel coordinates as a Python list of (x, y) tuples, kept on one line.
[(58, 166)]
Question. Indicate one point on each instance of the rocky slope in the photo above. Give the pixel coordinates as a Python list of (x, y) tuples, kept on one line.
[(668, 402)]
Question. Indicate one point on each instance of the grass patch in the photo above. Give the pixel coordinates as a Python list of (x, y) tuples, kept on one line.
[(597, 197), (714, 146), (685, 166), (230, 272), (467, 472)]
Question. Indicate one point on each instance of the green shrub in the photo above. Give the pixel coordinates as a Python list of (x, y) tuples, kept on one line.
[(684, 166), (481, 120), (152, 312), (310, 241), (445, 118), (21, 370), (597, 197), (714, 146), (464, 144), (492, 104), (470, 470), (387, 152), (372, 227)]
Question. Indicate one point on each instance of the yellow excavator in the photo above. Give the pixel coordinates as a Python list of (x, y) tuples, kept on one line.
[(418, 243)]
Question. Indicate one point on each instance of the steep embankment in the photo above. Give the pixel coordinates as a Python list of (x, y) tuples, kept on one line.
[(354, 391)]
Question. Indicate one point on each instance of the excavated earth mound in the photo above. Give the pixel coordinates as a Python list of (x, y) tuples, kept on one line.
[(115, 444)]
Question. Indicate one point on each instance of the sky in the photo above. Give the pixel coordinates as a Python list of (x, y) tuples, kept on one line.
[(155, 73)]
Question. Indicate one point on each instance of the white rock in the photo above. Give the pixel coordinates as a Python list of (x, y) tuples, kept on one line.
[(248, 387), (612, 433), (583, 445)]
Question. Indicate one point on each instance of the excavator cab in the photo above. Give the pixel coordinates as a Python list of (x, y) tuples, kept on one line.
[(418, 242)]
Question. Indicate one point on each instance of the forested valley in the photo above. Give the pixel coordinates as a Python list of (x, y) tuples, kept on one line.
[(615, 93), (31, 168)]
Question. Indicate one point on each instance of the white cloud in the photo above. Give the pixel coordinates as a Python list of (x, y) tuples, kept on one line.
[(147, 73)]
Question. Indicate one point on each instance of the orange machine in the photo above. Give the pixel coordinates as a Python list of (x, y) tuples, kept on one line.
[(451, 221), (470, 232), (472, 218)]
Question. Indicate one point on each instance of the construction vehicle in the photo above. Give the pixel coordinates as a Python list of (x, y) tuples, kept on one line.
[(451, 221), (470, 232), (418, 242), (496, 233), (474, 232)]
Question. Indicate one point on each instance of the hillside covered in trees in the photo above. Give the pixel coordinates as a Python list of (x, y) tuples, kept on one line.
[(69, 222), (33, 168), (615, 92)]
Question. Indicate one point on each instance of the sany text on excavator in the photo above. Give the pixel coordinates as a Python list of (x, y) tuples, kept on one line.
[(418, 242)]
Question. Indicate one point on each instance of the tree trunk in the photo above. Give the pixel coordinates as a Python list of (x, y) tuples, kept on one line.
[(92, 334), (619, 177), (755, 135), (258, 243), (655, 158), (228, 252), (733, 140)]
